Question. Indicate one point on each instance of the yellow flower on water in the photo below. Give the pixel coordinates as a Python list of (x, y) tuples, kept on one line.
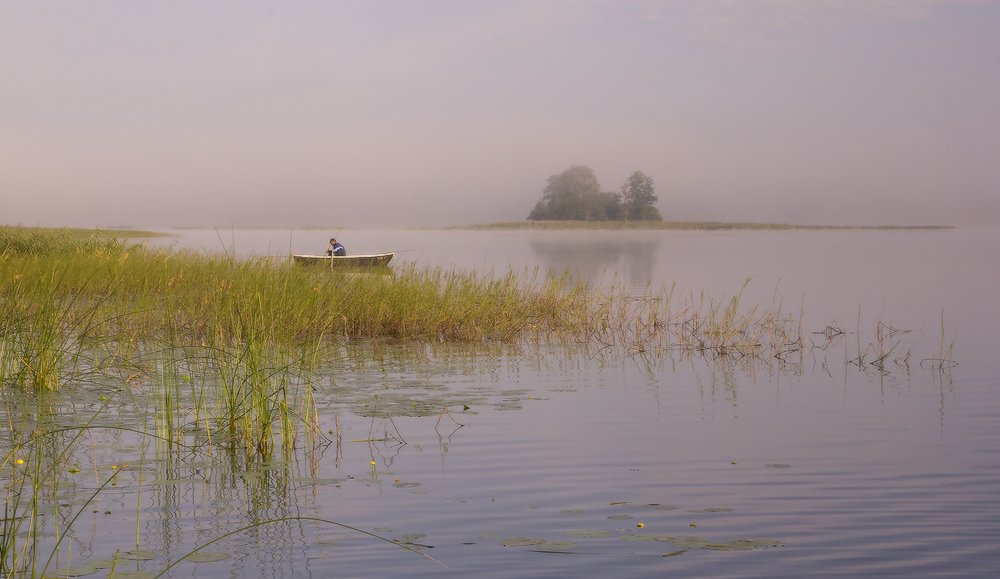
[(19, 461), (640, 525), (373, 463)]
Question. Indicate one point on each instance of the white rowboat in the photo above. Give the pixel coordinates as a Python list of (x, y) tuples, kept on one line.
[(375, 260)]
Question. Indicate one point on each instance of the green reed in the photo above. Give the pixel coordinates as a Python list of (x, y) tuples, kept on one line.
[(101, 292), (32, 472), (48, 241), (142, 295), (41, 326)]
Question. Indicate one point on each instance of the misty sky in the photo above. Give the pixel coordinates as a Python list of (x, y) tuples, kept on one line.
[(367, 113)]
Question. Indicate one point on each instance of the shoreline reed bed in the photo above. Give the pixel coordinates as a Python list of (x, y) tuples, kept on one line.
[(57, 310), (149, 295)]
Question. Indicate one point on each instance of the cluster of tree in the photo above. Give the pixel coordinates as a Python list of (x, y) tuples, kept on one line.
[(576, 194)]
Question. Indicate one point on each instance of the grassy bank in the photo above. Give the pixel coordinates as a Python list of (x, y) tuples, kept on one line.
[(693, 226)]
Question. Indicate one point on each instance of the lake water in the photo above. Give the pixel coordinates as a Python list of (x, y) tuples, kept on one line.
[(624, 466)]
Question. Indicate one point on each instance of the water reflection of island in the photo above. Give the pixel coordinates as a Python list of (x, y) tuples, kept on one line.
[(590, 260)]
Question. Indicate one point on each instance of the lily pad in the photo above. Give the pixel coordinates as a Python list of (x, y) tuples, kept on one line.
[(619, 517), (778, 465), (88, 568), (745, 545), (320, 481), (685, 541), (207, 557), (556, 546), (522, 542), (659, 507)]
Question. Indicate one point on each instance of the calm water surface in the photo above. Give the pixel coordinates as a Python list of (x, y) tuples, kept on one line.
[(832, 469)]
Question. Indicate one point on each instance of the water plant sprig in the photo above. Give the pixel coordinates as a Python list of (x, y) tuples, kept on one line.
[(297, 519)]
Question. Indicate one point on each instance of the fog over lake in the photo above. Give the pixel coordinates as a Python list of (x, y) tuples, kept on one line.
[(866, 444), (395, 113)]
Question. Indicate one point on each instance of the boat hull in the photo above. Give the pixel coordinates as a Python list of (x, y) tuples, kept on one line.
[(376, 260)]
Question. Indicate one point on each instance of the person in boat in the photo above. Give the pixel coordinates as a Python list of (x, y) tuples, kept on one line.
[(336, 248)]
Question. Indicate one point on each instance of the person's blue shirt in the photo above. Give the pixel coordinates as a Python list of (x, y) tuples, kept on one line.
[(336, 248)]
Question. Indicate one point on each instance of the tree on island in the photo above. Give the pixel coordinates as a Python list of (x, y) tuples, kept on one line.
[(639, 198), (575, 194)]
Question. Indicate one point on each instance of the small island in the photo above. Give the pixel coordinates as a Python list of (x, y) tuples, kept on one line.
[(573, 200)]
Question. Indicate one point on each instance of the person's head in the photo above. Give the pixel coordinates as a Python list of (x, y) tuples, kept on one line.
[(333, 240)]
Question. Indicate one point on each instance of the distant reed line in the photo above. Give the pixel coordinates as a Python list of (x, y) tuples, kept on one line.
[(693, 226)]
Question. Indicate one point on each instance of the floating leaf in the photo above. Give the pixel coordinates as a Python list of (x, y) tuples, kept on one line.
[(207, 557), (745, 545), (713, 510), (619, 517), (659, 507), (730, 546), (685, 541), (321, 481), (572, 512), (556, 546), (522, 542), (778, 465), (88, 568)]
